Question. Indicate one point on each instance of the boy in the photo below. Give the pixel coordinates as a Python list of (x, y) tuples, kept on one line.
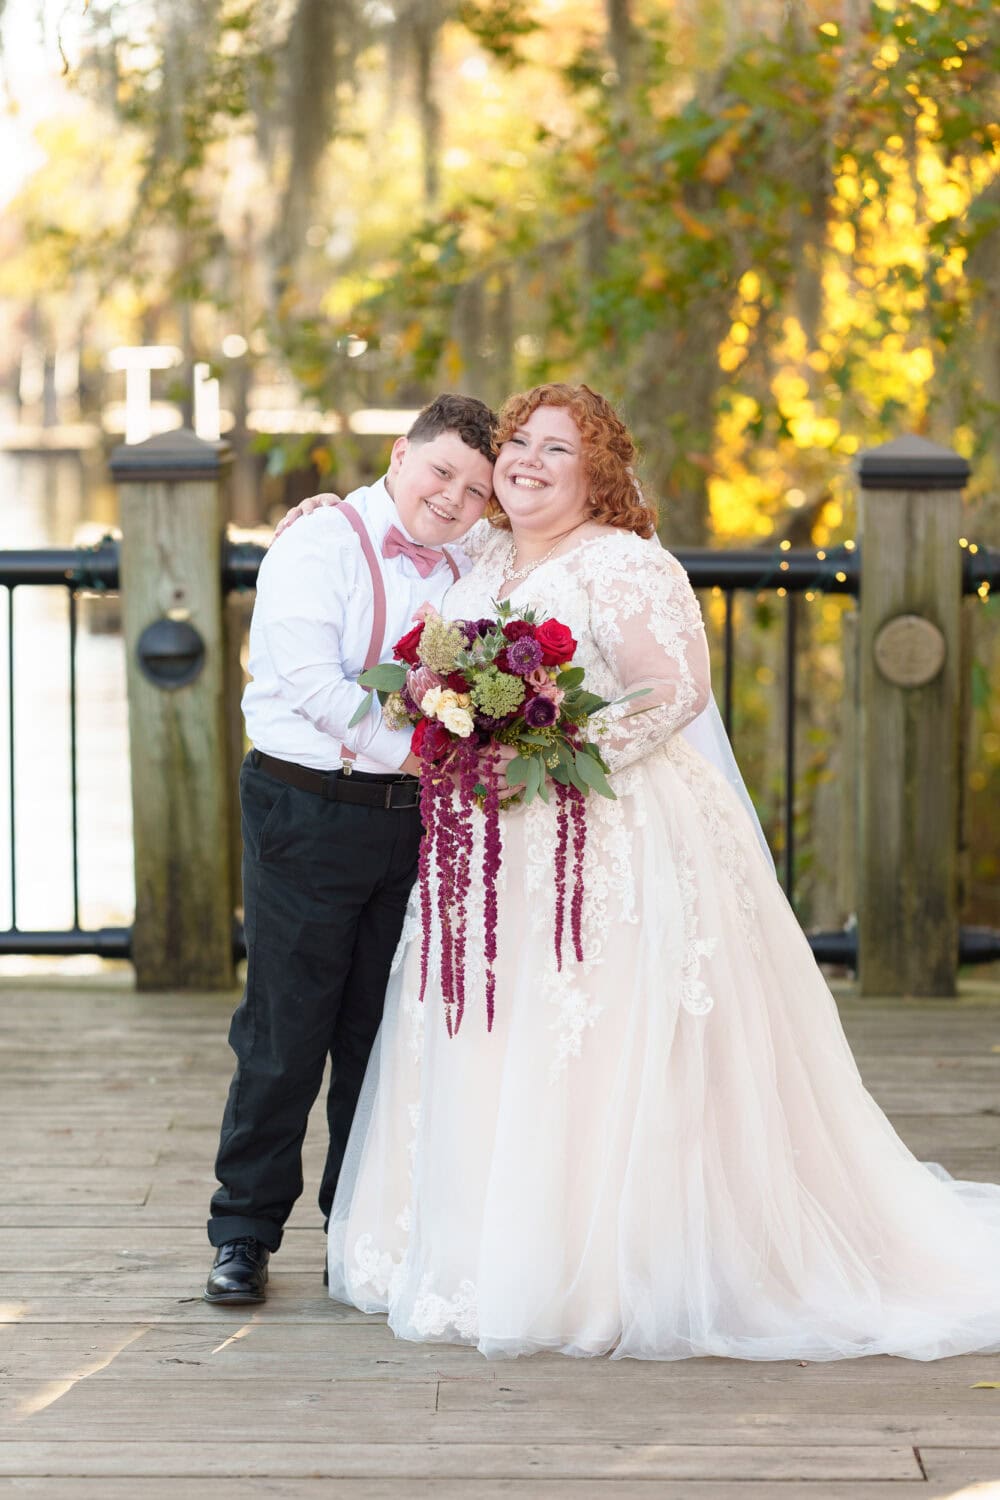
[(330, 818)]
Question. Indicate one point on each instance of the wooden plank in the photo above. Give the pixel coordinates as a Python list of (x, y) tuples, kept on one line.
[(432, 1461), (275, 1488), (93, 1248)]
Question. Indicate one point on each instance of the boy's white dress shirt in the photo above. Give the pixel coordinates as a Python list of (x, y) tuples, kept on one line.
[(310, 632)]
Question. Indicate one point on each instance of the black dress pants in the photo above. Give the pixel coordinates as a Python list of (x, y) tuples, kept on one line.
[(325, 887)]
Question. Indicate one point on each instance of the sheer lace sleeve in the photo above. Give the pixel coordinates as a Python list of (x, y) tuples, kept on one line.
[(648, 627), (476, 540)]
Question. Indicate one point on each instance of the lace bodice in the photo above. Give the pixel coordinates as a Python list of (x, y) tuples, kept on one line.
[(635, 618)]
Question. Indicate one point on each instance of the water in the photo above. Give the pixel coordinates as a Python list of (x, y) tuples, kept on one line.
[(44, 502)]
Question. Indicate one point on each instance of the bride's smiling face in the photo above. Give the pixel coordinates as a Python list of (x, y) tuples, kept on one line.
[(540, 476)]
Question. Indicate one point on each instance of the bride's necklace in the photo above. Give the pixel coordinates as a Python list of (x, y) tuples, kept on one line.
[(515, 575)]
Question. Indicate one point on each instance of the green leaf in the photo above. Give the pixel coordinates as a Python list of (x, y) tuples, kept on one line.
[(584, 703), (387, 676), (518, 771), (593, 776), (536, 775), (571, 678), (362, 711)]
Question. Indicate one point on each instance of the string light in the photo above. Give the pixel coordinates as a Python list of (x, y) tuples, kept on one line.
[(963, 541), (983, 590), (821, 557), (840, 577), (973, 547), (786, 545), (849, 546), (782, 593), (784, 566)]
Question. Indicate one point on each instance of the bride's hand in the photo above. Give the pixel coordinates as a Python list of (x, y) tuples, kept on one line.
[(506, 753), (305, 508)]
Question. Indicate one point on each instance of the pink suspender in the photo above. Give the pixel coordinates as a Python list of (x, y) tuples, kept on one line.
[(374, 652), (378, 585)]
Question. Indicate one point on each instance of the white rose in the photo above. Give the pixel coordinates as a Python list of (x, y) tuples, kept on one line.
[(457, 721)]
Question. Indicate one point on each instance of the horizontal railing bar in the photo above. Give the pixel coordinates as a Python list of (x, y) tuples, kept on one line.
[(979, 567), (798, 569), (750, 568), (105, 942), (976, 944), (73, 567)]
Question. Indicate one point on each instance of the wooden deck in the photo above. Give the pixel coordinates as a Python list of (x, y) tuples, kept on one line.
[(118, 1381)]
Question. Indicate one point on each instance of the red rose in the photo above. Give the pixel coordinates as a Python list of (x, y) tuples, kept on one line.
[(406, 648), (556, 641), (418, 736), (515, 629)]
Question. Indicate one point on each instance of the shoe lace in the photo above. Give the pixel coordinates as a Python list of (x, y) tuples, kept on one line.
[(247, 1245)]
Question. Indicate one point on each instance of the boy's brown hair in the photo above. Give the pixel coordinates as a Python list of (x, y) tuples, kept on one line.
[(475, 424)]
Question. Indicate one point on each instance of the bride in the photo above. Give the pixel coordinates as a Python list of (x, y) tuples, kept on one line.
[(665, 1150)]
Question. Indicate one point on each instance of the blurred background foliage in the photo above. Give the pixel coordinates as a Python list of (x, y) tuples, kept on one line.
[(770, 232)]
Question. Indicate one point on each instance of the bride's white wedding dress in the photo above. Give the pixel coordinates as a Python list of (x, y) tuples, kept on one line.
[(666, 1150)]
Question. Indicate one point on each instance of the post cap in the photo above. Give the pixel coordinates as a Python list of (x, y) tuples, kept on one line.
[(912, 463), (176, 455)]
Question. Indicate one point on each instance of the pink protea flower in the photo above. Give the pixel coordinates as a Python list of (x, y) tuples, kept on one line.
[(420, 680)]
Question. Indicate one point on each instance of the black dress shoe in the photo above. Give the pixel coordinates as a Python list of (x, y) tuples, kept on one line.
[(239, 1272)]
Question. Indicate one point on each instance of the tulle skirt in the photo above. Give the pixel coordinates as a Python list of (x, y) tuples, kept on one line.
[(661, 1152)]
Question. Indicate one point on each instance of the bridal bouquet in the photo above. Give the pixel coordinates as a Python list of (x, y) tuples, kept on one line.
[(500, 716)]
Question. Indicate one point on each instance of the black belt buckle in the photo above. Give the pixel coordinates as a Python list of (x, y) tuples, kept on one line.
[(413, 787)]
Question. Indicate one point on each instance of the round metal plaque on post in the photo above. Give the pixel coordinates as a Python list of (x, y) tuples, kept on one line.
[(909, 651), (171, 653)]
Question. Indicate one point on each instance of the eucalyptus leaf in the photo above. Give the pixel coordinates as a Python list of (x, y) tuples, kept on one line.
[(387, 676), (362, 711), (518, 771), (592, 774)]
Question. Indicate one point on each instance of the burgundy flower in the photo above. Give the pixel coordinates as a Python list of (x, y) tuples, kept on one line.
[(540, 713), (523, 655), (516, 630), (436, 741), (476, 629)]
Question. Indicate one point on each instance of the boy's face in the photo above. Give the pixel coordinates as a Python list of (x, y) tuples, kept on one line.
[(440, 487)]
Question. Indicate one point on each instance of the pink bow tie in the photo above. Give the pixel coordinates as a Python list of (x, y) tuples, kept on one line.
[(424, 559)]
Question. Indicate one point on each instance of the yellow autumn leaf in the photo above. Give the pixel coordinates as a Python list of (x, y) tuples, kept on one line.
[(691, 224), (985, 1385)]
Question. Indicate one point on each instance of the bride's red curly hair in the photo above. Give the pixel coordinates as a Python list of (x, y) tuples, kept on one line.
[(616, 498)]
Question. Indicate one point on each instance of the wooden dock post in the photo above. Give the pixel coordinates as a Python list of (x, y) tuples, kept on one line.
[(910, 508), (173, 517)]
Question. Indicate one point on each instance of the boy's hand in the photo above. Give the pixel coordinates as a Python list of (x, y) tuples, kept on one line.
[(305, 508)]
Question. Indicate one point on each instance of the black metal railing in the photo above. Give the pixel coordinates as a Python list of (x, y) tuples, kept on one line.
[(785, 572), (75, 570)]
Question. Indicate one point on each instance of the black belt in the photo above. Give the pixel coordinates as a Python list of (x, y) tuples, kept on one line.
[(388, 792)]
